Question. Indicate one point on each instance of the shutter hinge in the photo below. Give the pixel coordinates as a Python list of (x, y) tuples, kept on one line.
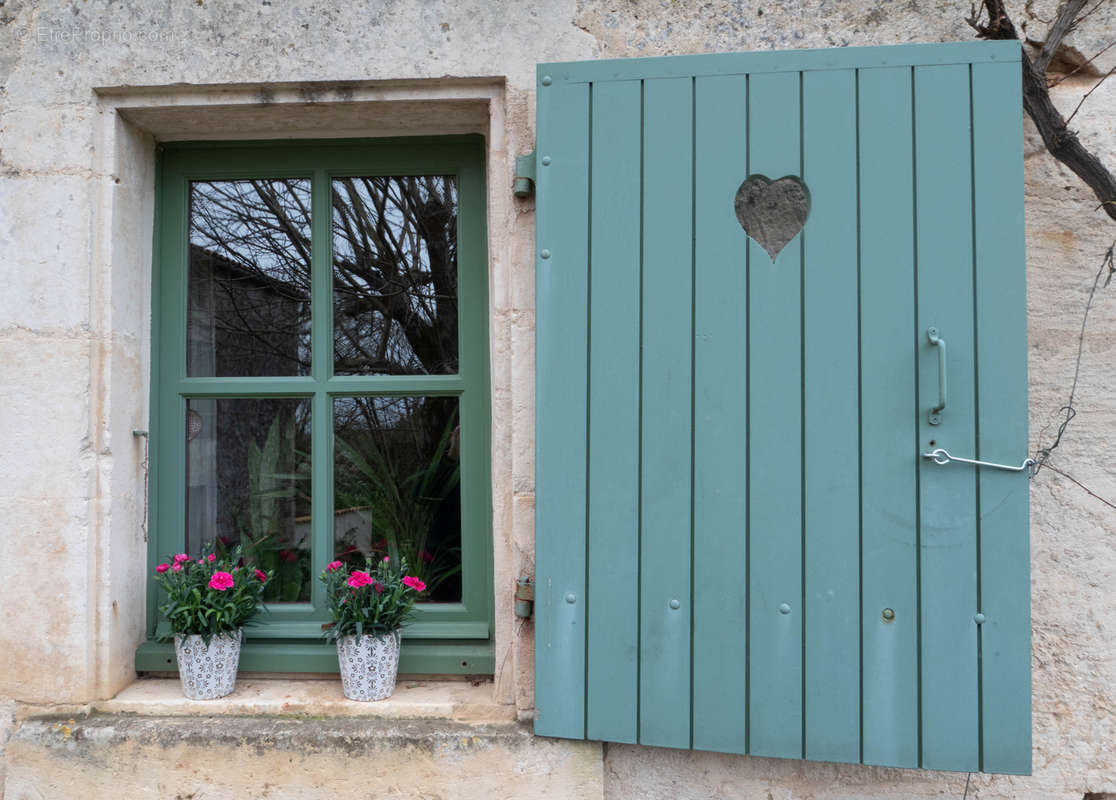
[(523, 186), (524, 597)]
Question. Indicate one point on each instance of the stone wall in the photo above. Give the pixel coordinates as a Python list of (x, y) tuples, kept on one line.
[(76, 156)]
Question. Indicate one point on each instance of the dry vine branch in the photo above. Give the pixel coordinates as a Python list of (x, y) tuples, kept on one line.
[(1068, 411), (1060, 141)]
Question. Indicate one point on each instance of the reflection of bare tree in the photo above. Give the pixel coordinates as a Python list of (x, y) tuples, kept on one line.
[(249, 278), (397, 465), (395, 275), (394, 301)]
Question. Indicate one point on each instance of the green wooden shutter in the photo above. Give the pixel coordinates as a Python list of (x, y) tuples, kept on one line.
[(739, 545)]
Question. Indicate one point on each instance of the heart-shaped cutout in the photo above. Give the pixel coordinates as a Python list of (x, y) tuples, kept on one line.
[(772, 212)]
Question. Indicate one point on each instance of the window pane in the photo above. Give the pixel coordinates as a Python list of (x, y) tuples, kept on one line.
[(249, 278), (397, 485), (248, 483), (395, 276)]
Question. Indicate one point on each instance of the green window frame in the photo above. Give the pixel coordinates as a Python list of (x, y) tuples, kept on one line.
[(444, 638)]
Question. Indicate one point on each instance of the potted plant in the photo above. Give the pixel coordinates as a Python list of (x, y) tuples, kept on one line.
[(369, 608), (209, 600)]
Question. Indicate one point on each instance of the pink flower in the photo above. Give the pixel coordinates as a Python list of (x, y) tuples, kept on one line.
[(178, 559), (162, 568), (221, 581), (358, 579), (387, 559), (212, 557), (332, 565), (261, 576), (177, 566), (201, 560), (414, 583)]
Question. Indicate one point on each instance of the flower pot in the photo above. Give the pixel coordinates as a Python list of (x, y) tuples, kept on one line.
[(207, 671), (368, 665)]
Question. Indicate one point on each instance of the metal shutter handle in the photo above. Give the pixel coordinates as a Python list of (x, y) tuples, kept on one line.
[(939, 342)]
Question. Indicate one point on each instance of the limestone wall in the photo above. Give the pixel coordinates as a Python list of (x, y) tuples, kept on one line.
[(76, 157)]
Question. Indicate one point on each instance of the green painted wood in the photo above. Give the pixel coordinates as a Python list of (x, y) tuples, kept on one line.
[(153, 451), (948, 530), (444, 657), (321, 366), (810, 381), (720, 418), (475, 402), (888, 435), (613, 647), (782, 61), (666, 390), (831, 424), (561, 396), (775, 440), (180, 163), (1001, 296)]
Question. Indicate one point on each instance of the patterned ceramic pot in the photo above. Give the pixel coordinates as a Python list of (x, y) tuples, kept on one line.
[(368, 665), (207, 672)]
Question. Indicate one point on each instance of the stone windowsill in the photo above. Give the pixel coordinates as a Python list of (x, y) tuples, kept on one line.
[(455, 701)]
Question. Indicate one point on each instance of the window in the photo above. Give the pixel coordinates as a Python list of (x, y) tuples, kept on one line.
[(320, 381)]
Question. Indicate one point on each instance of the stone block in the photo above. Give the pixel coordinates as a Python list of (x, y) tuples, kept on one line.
[(45, 424), (45, 242), (114, 756), (44, 582), (48, 138)]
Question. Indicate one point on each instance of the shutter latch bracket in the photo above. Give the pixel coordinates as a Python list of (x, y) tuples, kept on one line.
[(942, 456)]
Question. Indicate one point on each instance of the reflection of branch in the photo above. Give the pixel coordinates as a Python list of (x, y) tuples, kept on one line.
[(1061, 142)]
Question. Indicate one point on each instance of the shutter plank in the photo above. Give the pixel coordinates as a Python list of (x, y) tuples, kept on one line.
[(948, 530), (667, 388), (720, 418), (562, 347), (889, 434), (614, 414), (831, 419), (775, 441), (1002, 419)]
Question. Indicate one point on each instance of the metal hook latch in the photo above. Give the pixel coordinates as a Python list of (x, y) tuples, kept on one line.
[(942, 456)]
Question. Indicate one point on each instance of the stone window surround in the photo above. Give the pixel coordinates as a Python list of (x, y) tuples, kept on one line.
[(130, 123)]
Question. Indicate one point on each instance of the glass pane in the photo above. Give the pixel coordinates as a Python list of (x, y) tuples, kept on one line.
[(248, 483), (249, 278), (397, 485), (395, 276)]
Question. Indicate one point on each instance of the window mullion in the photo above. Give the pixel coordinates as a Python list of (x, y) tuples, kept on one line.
[(321, 368)]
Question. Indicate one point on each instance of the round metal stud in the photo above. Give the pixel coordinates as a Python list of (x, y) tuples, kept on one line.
[(546, 161), (545, 80), (978, 618), (888, 615), (784, 608), (675, 604), (571, 598), (545, 254)]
